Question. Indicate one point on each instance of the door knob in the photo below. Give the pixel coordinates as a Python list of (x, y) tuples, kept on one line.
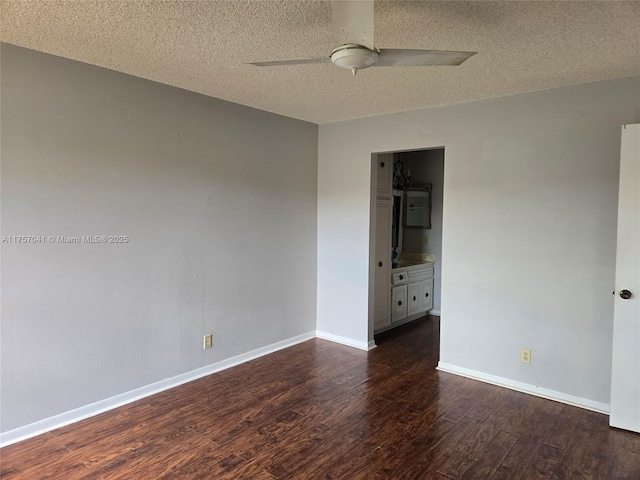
[(379, 264), (414, 298), (625, 294)]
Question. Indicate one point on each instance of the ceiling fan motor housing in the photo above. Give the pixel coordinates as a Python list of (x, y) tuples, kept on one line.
[(353, 57)]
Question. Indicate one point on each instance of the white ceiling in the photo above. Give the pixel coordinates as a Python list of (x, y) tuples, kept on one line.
[(204, 46)]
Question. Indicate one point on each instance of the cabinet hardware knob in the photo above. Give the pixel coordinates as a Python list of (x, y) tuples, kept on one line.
[(426, 294), (399, 302), (379, 264), (414, 298), (625, 294), (401, 277), (381, 164)]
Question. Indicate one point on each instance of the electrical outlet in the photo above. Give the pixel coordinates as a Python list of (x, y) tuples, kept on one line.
[(525, 356), (208, 341)]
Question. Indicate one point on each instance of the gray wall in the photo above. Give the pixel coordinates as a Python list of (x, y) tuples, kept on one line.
[(529, 238), (218, 202), (427, 166)]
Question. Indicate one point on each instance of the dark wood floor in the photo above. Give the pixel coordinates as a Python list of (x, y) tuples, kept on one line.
[(322, 410)]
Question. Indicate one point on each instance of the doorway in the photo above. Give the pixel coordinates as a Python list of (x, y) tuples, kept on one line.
[(412, 170)]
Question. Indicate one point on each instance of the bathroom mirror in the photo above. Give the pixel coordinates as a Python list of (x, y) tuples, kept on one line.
[(417, 207)]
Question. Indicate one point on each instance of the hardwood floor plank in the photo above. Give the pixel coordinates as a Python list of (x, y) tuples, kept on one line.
[(165, 457), (347, 411), (259, 439), (489, 458), (575, 454), (456, 405), (469, 450), (627, 455), (592, 469), (360, 463), (296, 451), (325, 456), (46, 457), (514, 413), (386, 426), (488, 403), (519, 458), (544, 461), (422, 459), (441, 445), (572, 423)]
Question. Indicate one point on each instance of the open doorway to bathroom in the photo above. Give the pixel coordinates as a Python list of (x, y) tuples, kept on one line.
[(406, 236)]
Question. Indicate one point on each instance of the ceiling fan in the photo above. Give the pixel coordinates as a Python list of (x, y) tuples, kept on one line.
[(352, 26)]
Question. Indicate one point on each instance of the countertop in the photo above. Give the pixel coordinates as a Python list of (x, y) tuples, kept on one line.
[(409, 259)]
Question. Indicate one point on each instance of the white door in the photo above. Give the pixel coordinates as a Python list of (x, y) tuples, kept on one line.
[(382, 287), (413, 299), (625, 375), (399, 303), (426, 293), (385, 172)]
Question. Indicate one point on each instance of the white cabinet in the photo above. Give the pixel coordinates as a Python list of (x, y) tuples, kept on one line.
[(383, 169), (382, 265), (398, 303), (411, 293)]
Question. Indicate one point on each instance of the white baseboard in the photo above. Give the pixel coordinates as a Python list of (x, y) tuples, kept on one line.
[(526, 388), (371, 345), (66, 418), (434, 312), (343, 340)]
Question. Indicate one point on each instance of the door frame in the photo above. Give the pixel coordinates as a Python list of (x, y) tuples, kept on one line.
[(372, 225)]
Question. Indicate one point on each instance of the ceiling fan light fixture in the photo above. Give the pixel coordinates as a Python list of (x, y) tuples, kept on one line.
[(352, 26), (353, 57)]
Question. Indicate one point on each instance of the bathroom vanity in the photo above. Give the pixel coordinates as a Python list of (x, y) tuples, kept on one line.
[(411, 292)]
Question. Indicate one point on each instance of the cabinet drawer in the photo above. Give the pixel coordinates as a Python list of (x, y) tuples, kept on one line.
[(399, 277), (421, 273)]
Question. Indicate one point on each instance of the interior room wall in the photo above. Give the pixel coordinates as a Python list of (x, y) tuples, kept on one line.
[(529, 233), (427, 166), (217, 201)]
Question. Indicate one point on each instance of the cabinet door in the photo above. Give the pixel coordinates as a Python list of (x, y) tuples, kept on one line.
[(385, 173), (413, 299), (426, 292), (381, 307), (399, 303)]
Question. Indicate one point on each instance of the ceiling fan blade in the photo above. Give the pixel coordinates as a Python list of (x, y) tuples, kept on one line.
[(299, 61), (352, 22), (420, 58)]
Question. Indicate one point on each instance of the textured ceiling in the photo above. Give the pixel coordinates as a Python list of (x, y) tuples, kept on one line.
[(203, 46)]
